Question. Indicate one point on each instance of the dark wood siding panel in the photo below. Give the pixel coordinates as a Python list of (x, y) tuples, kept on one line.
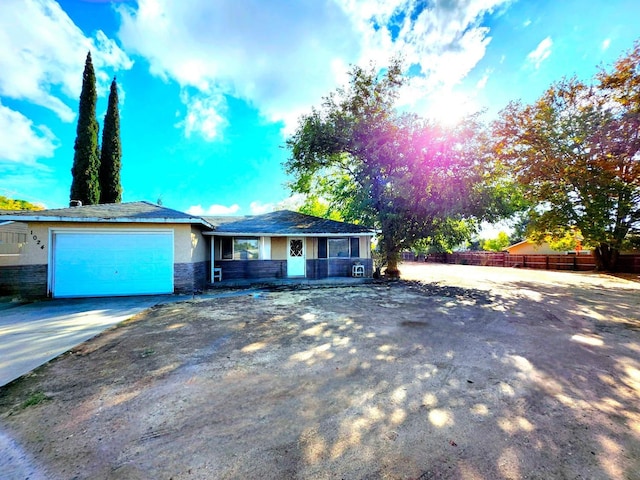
[(340, 267), (253, 269), (317, 268), (29, 281), (188, 277)]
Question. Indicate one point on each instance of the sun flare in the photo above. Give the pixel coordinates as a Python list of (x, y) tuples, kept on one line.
[(448, 108)]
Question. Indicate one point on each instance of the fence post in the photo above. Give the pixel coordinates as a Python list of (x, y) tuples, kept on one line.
[(547, 258)]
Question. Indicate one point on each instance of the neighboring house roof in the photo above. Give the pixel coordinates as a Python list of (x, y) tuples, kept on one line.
[(527, 247), (131, 212), (284, 223), (516, 245)]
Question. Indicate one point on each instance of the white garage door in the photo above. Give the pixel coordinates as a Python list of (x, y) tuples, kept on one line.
[(101, 263)]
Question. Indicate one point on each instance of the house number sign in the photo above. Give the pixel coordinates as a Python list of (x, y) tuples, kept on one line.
[(38, 242)]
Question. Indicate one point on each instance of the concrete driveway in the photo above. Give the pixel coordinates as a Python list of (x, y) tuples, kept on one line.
[(33, 334)]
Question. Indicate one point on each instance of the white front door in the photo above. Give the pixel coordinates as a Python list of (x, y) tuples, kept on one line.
[(296, 258)]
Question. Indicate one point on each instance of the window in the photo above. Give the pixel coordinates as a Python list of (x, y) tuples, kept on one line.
[(240, 248), (244, 248), (322, 247), (338, 247), (355, 247), (227, 248)]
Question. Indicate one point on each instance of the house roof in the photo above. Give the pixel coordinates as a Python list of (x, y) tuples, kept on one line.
[(506, 249), (283, 223), (279, 223), (131, 212)]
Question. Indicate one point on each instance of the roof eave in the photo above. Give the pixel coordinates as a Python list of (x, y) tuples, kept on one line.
[(60, 219), (306, 234)]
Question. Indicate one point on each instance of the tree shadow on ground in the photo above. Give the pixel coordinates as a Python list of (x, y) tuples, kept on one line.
[(403, 380)]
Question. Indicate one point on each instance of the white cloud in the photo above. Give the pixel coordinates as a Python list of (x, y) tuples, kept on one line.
[(293, 202), (605, 44), (213, 210), (526, 23), (21, 141), (258, 208), (204, 115), (541, 53), (43, 53), (444, 40), (275, 55), (282, 56), (485, 78)]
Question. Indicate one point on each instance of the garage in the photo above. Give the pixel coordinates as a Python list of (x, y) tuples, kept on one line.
[(111, 262)]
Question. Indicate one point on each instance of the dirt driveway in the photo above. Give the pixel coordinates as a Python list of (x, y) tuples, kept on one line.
[(489, 373)]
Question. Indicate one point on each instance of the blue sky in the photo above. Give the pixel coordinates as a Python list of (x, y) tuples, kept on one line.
[(210, 89)]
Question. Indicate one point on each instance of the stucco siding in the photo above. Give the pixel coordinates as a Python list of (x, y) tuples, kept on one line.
[(365, 247), (26, 274), (36, 251), (278, 248), (312, 248), (199, 246), (528, 248), (188, 246)]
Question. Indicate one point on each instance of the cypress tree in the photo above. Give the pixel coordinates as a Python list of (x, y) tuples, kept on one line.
[(110, 189), (85, 184)]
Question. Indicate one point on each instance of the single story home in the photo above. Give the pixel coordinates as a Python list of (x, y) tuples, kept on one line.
[(140, 248), (527, 247), (133, 248), (286, 244)]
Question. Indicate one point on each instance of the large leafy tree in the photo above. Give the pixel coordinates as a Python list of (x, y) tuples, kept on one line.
[(85, 184), (111, 152), (396, 172), (498, 243), (577, 153)]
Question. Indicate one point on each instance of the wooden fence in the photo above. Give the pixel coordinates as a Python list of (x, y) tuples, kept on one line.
[(577, 263)]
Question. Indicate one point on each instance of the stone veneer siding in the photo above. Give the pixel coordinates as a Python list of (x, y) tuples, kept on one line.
[(188, 277), (29, 281)]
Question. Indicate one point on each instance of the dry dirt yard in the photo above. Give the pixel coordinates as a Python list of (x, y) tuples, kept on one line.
[(464, 372)]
